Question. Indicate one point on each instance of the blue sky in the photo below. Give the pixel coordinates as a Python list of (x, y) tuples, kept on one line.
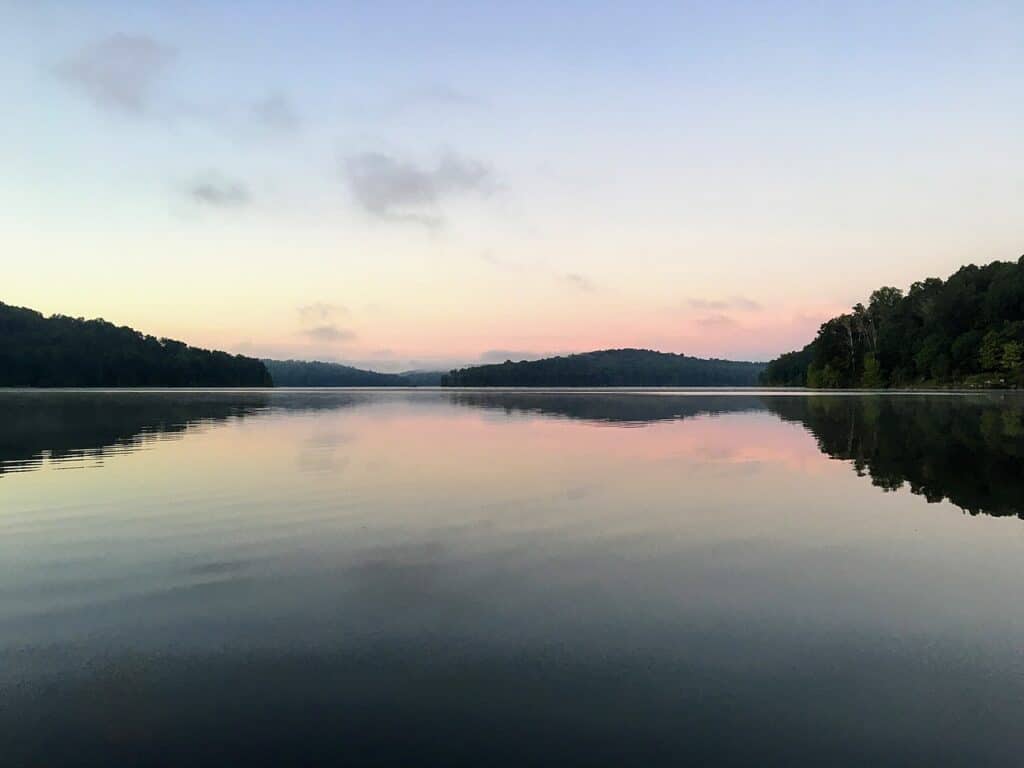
[(453, 181)]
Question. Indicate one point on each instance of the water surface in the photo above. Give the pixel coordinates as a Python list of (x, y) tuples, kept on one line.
[(509, 578)]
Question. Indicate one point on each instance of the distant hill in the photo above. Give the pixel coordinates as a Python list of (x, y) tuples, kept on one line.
[(315, 373), (59, 351), (966, 330), (423, 378), (610, 368)]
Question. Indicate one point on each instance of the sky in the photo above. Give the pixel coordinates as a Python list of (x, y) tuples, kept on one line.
[(408, 185)]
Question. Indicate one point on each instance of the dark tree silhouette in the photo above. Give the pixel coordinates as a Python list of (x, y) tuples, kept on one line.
[(301, 373), (966, 330), (610, 368), (59, 351)]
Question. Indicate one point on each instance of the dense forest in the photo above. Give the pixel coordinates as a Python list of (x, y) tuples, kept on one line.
[(59, 351), (967, 330), (314, 373), (422, 378), (609, 368), (301, 373)]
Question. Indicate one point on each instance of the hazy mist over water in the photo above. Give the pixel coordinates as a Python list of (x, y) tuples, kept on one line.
[(506, 578)]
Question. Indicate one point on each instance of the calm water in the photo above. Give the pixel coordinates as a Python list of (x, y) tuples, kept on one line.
[(510, 578)]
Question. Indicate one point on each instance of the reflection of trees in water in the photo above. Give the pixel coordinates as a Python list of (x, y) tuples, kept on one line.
[(969, 450), (617, 408), (91, 425), (71, 425)]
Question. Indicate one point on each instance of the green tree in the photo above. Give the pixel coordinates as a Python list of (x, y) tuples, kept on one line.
[(991, 354), (940, 330), (872, 376), (1013, 356), (884, 302), (929, 359)]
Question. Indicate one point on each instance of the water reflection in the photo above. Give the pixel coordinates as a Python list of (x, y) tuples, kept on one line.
[(618, 408), (466, 578), (70, 428), (968, 449)]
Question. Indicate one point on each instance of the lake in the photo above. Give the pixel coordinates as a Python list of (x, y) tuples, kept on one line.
[(511, 578)]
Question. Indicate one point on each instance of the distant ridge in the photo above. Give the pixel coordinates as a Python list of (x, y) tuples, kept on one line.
[(610, 368), (60, 351), (316, 373)]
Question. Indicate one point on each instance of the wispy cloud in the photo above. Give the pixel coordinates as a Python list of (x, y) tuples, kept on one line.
[(320, 312), (717, 320), (217, 191), (436, 97), (579, 282), (330, 333), (319, 322), (275, 115), (437, 94), (741, 303), (119, 73), (123, 73), (389, 188)]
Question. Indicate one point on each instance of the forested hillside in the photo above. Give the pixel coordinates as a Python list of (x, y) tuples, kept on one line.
[(609, 368), (968, 329), (302, 373), (59, 351)]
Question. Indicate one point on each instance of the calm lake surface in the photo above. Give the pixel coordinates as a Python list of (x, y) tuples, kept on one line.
[(511, 578)]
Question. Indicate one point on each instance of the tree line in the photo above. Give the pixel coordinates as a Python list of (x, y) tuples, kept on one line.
[(609, 368), (61, 351), (315, 373), (966, 330)]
